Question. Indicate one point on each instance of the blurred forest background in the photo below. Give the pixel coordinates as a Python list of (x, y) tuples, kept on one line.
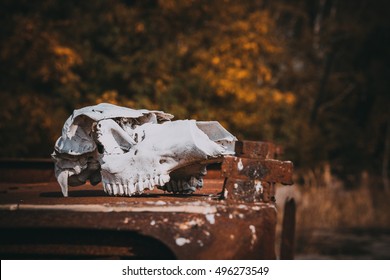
[(312, 76)]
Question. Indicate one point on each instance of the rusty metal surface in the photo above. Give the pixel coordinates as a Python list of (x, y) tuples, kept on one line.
[(232, 217), (270, 170), (198, 226), (248, 191), (256, 149), (26, 170)]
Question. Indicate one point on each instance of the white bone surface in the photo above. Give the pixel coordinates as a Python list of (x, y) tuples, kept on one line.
[(131, 151)]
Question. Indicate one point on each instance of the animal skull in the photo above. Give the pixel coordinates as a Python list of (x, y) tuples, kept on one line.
[(135, 150)]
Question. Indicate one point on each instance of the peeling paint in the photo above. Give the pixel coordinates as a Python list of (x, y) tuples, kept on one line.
[(10, 207), (210, 218), (160, 202), (190, 224), (240, 166), (253, 232), (195, 209), (258, 186), (180, 241)]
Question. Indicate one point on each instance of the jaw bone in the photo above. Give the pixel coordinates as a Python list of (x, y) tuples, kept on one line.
[(135, 150)]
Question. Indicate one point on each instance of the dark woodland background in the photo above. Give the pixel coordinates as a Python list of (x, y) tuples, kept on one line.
[(310, 75)]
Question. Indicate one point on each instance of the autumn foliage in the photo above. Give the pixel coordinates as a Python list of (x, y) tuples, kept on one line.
[(312, 76)]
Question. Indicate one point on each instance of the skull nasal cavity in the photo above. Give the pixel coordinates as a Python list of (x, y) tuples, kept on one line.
[(100, 148)]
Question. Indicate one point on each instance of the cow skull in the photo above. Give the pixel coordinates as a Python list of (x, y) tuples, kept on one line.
[(135, 150)]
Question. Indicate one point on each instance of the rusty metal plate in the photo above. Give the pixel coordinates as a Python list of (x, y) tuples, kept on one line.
[(256, 149), (247, 191), (269, 170)]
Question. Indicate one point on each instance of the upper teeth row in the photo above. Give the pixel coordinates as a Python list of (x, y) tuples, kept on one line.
[(138, 187), (183, 186)]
